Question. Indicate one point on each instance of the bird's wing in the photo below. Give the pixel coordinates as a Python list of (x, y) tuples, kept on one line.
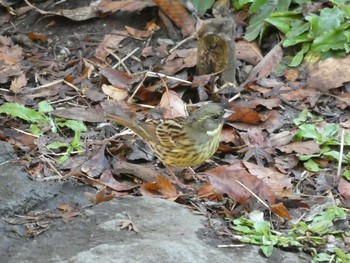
[(169, 131)]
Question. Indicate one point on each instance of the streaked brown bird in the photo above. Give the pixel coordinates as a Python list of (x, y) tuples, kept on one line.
[(182, 141)]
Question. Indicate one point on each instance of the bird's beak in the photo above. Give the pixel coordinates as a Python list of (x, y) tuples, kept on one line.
[(228, 113)]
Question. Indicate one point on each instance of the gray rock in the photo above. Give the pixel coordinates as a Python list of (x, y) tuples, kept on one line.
[(166, 231)]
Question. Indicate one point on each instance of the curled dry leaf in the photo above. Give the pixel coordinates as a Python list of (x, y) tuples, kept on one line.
[(280, 210), (172, 105), (114, 92), (162, 187), (178, 14)]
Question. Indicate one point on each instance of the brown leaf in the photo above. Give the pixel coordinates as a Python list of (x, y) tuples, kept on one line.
[(36, 36), (100, 196), (94, 166), (265, 66), (137, 170), (274, 121), (77, 14), (138, 33), (280, 210), (162, 187), (18, 83), (206, 191), (308, 147), (291, 74), (244, 115), (110, 42), (118, 78), (114, 92), (248, 51), (124, 6), (279, 183), (172, 105), (180, 59), (10, 57), (108, 179), (178, 14), (344, 191), (224, 180), (329, 74)]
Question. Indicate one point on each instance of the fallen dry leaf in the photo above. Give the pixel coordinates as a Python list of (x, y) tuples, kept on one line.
[(110, 42), (162, 187), (280, 210), (279, 183), (106, 6), (302, 147), (248, 51), (265, 66), (344, 191), (172, 105), (178, 14), (224, 180), (329, 74), (114, 92), (180, 59)]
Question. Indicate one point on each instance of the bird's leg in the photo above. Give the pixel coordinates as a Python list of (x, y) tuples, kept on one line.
[(195, 175), (176, 179)]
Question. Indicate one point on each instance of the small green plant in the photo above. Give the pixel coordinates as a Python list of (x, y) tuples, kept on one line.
[(320, 35), (327, 136), (42, 117), (308, 236)]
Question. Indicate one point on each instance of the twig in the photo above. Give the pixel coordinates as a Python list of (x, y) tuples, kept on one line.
[(257, 197), (137, 88), (341, 153), (48, 84), (120, 61), (160, 75), (181, 43), (232, 245)]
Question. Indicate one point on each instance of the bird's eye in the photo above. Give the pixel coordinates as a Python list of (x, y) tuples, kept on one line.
[(216, 117)]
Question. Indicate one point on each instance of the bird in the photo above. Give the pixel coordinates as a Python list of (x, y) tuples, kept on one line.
[(181, 141)]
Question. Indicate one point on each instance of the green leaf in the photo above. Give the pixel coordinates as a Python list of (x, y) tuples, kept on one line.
[(57, 145), (321, 228), (44, 106), (309, 131), (256, 5), (20, 111), (283, 5), (312, 166), (267, 250), (74, 125), (282, 23), (298, 27), (34, 129), (330, 18), (334, 39), (257, 23), (296, 40), (298, 58), (335, 155), (202, 6), (340, 254), (346, 175)]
